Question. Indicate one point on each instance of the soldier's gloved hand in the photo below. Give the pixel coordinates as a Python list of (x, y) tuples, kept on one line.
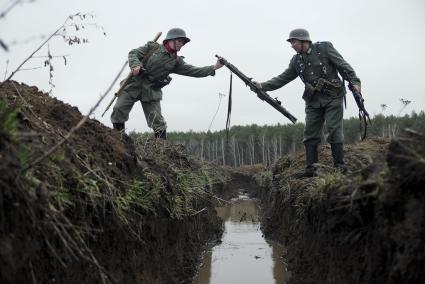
[(136, 70), (258, 84)]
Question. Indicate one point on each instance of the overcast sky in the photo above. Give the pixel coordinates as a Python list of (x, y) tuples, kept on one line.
[(383, 40)]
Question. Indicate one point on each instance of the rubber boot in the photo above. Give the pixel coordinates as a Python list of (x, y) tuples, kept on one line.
[(338, 157), (311, 157)]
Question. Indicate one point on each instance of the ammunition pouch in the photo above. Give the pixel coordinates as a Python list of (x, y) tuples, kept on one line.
[(323, 86), (159, 84), (332, 87)]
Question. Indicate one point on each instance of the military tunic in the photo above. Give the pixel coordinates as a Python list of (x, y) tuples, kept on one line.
[(322, 61), (143, 87)]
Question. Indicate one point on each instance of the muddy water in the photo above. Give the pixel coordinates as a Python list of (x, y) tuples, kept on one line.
[(244, 256)]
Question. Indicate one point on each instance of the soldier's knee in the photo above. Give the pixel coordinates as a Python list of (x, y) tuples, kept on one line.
[(335, 137), (310, 141)]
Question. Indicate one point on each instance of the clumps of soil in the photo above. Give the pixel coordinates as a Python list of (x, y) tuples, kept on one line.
[(97, 210), (364, 227)]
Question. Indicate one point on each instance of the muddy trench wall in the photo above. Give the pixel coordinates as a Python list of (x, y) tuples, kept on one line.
[(367, 227), (98, 210)]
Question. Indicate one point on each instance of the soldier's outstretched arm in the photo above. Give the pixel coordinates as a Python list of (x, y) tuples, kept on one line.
[(182, 68), (279, 81)]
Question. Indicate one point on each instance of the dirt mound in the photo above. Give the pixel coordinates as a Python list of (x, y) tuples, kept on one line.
[(365, 227), (52, 119), (97, 210)]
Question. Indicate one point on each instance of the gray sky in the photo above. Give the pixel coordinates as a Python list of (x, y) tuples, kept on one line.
[(381, 39)]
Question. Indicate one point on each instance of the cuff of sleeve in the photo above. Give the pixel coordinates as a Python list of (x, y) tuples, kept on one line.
[(356, 82), (264, 87)]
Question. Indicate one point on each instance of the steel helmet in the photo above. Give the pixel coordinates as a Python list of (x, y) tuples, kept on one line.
[(176, 33), (300, 34)]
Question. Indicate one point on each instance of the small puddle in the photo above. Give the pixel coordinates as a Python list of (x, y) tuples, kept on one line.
[(244, 256)]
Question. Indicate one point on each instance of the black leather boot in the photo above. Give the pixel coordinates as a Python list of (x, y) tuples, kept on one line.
[(119, 125), (311, 157), (162, 134), (338, 157)]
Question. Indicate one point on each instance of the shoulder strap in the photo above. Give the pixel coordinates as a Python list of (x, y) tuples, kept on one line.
[(318, 49), (299, 67), (151, 50)]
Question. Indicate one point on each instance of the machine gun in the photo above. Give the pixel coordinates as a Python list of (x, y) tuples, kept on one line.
[(260, 93), (363, 114)]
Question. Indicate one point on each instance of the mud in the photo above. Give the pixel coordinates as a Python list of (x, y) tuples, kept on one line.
[(365, 227), (97, 210)]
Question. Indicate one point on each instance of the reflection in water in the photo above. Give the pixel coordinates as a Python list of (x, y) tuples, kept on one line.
[(243, 256)]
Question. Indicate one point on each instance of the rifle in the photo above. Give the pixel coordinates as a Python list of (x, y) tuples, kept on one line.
[(363, 114), (129, 76), (260, 93)]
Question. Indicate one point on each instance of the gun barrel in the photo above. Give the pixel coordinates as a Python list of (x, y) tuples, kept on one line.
[(260, 93)]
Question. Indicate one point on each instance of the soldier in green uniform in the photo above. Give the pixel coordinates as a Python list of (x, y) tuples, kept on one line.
[(318, 65), (151, 65)]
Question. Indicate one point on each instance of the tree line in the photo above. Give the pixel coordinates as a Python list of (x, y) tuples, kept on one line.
[(253, 144)]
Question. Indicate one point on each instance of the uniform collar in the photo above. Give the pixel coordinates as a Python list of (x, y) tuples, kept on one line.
[(309, 50), (169, 51)]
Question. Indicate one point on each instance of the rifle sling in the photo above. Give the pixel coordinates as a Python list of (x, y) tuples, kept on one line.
[(150, 52), (229, 109)]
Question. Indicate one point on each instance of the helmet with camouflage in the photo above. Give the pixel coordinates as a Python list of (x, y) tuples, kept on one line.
[(177, 33), (300, 34)]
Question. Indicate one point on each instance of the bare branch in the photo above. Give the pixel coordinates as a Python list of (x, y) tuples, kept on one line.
[(3, 45), (35, 51), (52, 56), (29, 69), (7, 66), (220, 95), (8, 9)]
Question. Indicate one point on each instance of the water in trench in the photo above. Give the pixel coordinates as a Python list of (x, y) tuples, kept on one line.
[(244, 256)]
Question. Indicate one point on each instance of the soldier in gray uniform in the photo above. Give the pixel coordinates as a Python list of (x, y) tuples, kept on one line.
[(151, 65), (318, 65)]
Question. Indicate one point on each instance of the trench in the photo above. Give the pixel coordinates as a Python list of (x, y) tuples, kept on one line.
[(244, 255)]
